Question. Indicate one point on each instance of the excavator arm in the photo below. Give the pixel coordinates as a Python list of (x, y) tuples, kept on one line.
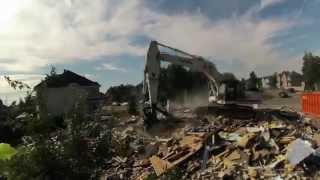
[(152, 75)]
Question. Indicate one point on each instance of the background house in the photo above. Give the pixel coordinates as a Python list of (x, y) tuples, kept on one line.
[(62, 92), (292, 79), (266, 82)]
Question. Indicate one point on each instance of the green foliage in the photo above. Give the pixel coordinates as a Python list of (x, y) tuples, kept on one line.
[(253, 83), (43, 125), (311, 70), (53, 71), (273, 81), (133, 109), (52, 75), (123, 93), (259, 83), (228, 76), (12, 128), (17, 84), (6, 151), (77, 152), (296, 78)]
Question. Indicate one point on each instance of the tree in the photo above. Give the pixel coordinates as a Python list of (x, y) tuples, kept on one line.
[(16, 84), (122, 93), (133, 106), (228, 76), (253, 82), (11, 128), (311, 71), (53, 73), (273, 81)]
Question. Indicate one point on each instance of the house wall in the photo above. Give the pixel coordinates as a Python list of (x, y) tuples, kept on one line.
[(59, 101), (93, 91), (265, 83), (284, 81), (278, 81)]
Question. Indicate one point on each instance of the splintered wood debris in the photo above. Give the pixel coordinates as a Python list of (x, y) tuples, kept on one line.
[(275, 147), (189, 145)]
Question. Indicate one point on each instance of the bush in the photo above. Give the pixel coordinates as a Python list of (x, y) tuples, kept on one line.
[(133, 106), (66, 154), (78, 151)]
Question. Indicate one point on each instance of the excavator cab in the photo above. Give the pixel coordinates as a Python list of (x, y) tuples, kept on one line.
[(233, 91)]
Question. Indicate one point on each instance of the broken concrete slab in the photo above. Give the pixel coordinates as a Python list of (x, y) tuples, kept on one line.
[(298, 150)]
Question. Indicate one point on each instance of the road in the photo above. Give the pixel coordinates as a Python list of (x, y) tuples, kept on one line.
[(271, 99)]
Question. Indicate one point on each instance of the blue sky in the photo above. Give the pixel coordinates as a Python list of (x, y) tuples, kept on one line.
[(106, 40)]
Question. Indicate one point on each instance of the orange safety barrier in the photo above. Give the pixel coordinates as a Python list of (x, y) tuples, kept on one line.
[(311, 103)]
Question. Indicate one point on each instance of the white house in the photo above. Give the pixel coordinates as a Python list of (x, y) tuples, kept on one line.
[(266, 82)]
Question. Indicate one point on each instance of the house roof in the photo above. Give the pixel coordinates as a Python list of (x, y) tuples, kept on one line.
[(292, 73), (285, 73), (66, 78)]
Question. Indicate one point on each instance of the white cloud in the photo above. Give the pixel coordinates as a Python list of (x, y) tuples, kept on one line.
[(269, 3), (110, 67), (245, 38), (91, 76), (43, 32), (300, 12)]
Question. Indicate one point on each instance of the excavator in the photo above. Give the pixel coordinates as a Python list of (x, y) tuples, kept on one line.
[(220, 91)]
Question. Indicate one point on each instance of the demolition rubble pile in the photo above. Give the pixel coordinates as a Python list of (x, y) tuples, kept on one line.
[(281, 145)]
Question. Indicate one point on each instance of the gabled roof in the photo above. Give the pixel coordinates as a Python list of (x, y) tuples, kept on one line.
[(66, 78)]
